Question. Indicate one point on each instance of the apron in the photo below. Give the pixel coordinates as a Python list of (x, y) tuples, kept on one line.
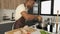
[(19, 23)]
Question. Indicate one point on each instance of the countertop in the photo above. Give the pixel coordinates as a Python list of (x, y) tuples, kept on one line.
[(4, 22)]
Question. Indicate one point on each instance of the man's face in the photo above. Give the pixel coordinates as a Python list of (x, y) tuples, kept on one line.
[(30, 3)]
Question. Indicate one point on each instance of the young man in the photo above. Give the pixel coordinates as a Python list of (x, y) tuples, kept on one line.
[(22, 14)]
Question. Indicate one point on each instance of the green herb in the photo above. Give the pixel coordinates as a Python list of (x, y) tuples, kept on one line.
[(43, 32)]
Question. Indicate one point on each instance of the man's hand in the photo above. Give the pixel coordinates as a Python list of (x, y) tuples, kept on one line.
[(39, 18)]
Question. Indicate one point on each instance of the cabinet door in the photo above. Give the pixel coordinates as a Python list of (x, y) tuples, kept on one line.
[(5, 27), (10, 4)]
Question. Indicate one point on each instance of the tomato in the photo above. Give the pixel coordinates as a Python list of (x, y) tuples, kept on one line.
[(28, 33)]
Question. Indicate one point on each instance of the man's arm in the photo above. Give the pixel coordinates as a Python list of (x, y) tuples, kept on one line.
[(28, 16)]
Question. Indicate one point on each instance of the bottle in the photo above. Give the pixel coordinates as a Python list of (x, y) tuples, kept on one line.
[(49, 27)]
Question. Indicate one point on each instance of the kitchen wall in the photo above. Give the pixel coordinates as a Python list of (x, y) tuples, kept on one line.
[(6, 12), (10, 4), (0, 15)]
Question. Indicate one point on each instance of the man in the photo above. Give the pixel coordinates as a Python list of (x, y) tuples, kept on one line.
[(22, 14)]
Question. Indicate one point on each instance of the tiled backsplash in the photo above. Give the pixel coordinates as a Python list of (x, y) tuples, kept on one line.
[(8, 12)]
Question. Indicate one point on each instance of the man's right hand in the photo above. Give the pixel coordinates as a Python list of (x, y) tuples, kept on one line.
[(39, 18)]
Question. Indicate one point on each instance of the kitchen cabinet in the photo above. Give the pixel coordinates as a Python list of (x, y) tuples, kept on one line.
[(10, 4), (5, 27)]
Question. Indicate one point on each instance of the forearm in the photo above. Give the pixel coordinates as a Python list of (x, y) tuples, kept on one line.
[(31, 17)]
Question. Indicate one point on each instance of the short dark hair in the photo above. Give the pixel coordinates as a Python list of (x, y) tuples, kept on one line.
[(35, 0)]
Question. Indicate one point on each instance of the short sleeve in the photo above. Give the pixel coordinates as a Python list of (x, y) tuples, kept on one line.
[(18, 10)]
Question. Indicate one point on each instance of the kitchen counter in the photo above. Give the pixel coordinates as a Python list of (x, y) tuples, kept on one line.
[(17, 31), (36, 32), (4, 22), (6, 26)]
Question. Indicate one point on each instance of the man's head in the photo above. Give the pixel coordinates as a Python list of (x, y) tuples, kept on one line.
[(30, 3)]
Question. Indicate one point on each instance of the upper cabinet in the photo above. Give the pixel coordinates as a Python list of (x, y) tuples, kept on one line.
[(10, 4)]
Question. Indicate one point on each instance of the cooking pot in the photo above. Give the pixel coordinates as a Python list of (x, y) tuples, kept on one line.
[(42, 25)]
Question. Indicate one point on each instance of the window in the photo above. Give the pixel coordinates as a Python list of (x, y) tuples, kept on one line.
[(46, 7), (56, 6)]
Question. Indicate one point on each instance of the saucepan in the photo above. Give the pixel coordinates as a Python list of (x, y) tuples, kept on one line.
[(43, 25)]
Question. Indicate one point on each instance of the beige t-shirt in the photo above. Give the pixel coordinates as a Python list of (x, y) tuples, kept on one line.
[(19, 9)]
